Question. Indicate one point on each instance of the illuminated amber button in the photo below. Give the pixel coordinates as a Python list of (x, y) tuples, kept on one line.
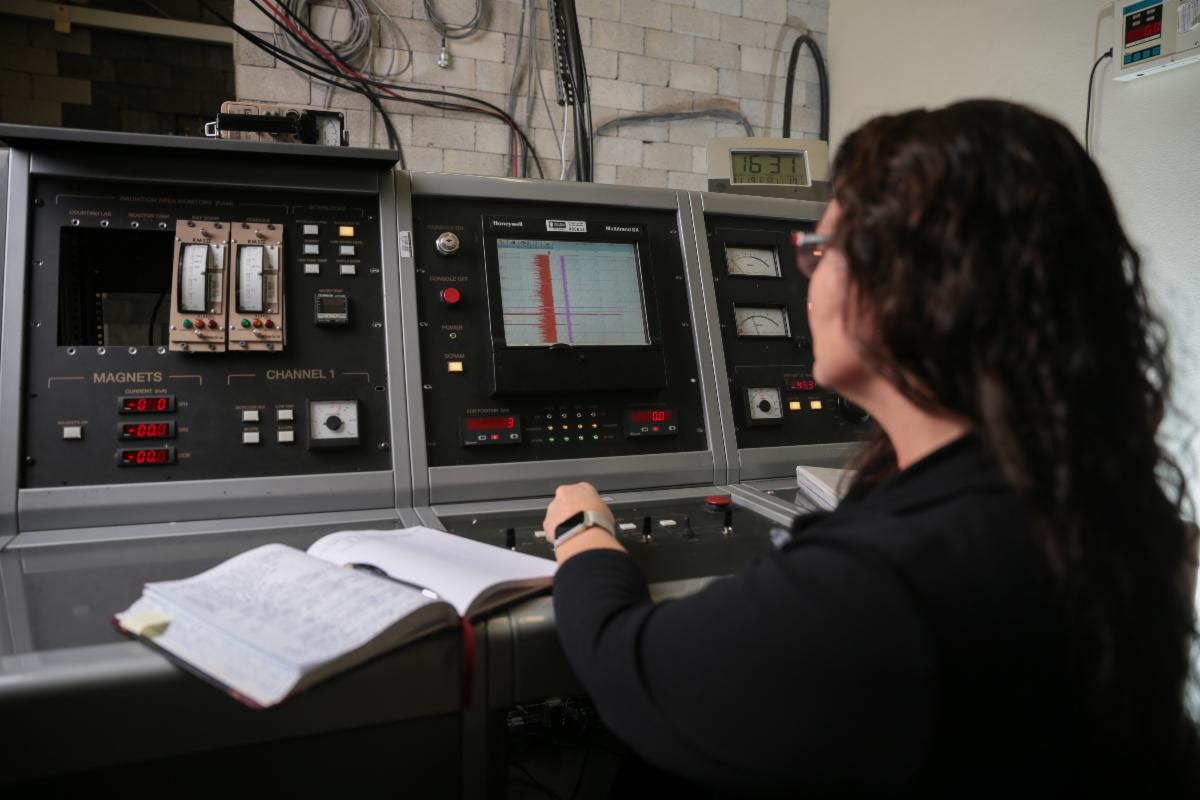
[(815, 405), (795, 405), (346, 231), (454, 366)]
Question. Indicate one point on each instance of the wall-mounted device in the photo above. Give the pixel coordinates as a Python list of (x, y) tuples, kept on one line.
[(792, 168), (1154, 36)]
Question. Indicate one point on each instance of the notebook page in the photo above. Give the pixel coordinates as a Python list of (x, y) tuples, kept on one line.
[(263, 679), (298, 609), (455, 567)]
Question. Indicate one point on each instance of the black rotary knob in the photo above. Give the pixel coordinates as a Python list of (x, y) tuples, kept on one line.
[(333, 422), (764, 405)]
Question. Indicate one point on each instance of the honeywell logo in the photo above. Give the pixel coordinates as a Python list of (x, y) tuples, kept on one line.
[(499, 224), (622, 229)]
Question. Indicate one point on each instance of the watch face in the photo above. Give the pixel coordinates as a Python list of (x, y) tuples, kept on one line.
[(569, 523)]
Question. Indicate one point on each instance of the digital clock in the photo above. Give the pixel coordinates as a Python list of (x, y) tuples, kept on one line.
[(147, 404), (146, 456), (775, 167)]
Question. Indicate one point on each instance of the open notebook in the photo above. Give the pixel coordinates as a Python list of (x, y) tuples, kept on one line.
[(274, 620)]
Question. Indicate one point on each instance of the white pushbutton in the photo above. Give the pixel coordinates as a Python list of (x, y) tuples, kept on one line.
[(287, 435), (284, 415), (539, 534), (628, 526), (348, 269), (249, 437), (312, 268), (250, 416), (73, 432), (667, 523), (346, 250), (312, 230), (312, 249)]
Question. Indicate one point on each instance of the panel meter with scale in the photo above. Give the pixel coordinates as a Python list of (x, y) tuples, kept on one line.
[(332, 423), (752, 262), (762, 322), (198, 287), (764, 406)]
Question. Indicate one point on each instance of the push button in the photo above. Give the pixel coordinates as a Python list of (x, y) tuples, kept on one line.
[(285, 415), (249, 437), (451, 296), (347, 269), (72, 432), (250, 416), (346, 250), (312, 249), (312, 230), (287, 436), (312, 268)]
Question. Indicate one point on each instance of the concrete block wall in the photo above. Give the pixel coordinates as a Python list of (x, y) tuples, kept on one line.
[(109, 80), (642, 56)]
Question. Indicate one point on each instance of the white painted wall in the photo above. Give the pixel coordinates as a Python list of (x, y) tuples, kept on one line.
[(888, 56)]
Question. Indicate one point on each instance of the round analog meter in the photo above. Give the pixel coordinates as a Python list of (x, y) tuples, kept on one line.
[(332, 422), (764, 403), (757, 262), (767, 321)]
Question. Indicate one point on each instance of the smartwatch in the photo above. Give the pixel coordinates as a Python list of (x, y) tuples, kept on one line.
[(577, 523)]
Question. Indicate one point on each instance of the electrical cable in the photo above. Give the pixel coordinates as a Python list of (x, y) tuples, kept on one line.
[(577, 73), (510, 105), (391, 89), (822, 80), (537, 68), (450, 30), (1087, 118), (720, 114)]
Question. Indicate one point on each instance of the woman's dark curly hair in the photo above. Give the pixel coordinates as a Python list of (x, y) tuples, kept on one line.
[(1001, 288)]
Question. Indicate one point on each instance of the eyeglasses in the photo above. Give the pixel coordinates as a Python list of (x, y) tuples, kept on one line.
[(809, 249)]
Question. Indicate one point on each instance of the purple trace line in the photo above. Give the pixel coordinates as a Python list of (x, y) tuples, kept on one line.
[(562, 269)]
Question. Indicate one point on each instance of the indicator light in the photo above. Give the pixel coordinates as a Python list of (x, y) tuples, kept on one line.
[(199, 323), (454, 366), (212, 324), (270, 323), (815, 405), (187, 323), (245, 323), (346, 230), (258, 323), (795, 405)]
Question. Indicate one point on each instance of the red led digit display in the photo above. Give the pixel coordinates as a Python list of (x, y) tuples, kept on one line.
[(490, 423), (804, 385), (146, 456), (147, 430), (651, 416), (153, 404)]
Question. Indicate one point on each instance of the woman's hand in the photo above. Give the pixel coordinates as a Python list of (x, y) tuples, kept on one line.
[(570, 499)]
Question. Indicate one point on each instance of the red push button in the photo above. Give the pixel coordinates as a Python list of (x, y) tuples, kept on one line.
[(451, 296), (717, 502)]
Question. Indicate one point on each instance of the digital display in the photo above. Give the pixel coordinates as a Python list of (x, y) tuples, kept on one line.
[(570, 292), (490, 423), (155, 404), (1144, 24), (788, 168), (1142, 32), (803, 385), (651, 416), (145, 456), (148, 430)]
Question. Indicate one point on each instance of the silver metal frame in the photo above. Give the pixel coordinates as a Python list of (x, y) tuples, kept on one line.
[(539, 478), (758, 462)]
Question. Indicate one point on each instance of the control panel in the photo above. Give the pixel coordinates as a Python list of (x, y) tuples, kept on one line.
[(762, 313), (669, 539), (553, 332), (198, 333)]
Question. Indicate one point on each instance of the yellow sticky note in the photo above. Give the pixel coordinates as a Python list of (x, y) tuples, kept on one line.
[(148, 622)]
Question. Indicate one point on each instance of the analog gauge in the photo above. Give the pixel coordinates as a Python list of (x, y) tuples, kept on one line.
[(329, 130), (764, 404), (193, 278), (757, 262), (332, 423), (250, 278), (766, 321)]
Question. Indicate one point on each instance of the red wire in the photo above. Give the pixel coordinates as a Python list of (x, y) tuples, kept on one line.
[(325, 54)]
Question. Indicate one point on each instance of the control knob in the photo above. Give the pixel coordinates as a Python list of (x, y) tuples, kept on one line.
[(333, 422), (447, 244)]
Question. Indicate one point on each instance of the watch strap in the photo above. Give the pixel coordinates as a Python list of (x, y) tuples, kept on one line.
[(591, 519)]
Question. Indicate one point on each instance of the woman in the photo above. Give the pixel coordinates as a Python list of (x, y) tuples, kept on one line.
[(999, 605)]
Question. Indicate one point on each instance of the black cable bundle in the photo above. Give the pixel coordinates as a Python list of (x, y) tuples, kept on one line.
[(577, 80), (822, 79)]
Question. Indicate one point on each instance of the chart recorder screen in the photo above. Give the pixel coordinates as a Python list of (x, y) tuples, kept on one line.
[(571, 293)]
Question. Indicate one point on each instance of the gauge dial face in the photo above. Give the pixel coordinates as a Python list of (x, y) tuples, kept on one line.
[(250, 278), (333, 421), (329, 131), (756, 262), (762, 321), (193, 278), (764, 403)]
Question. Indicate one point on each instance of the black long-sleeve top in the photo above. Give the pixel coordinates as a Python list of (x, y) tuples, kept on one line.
[(908, 643)]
